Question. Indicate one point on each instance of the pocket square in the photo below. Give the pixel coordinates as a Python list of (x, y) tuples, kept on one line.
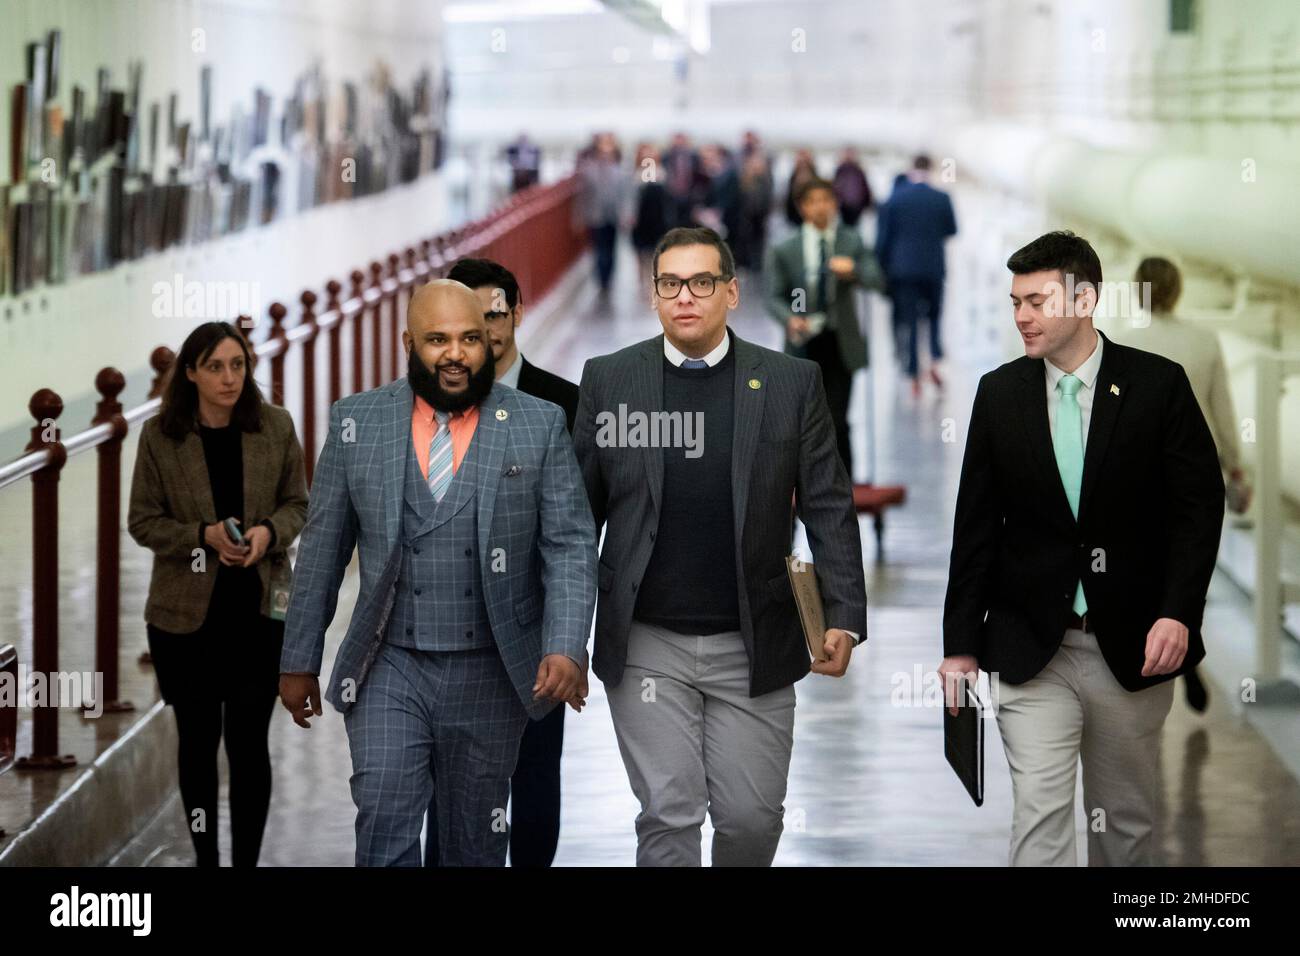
[(512, 471)]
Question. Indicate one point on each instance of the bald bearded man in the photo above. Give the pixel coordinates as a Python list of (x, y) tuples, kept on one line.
[(478, 581)]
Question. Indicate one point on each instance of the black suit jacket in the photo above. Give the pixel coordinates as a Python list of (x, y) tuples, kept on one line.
[(783, 443), (1145, 542), (550, 388)]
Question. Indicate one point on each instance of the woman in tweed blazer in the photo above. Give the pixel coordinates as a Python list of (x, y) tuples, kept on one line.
[(215, 451)]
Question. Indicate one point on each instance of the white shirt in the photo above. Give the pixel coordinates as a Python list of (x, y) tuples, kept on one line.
[(1085, 373), (675, 355), (511, 375), (812, 254)]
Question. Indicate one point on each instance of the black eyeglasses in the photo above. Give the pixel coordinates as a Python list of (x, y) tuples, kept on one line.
[(702, 285)]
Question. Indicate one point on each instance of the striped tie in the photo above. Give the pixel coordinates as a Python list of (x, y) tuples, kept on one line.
[(440, 470)]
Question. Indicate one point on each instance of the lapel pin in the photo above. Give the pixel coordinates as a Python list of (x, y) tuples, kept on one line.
[(502, 414), (755, 384), (1114, 389)]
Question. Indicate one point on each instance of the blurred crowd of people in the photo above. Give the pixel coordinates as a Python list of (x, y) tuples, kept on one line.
[(730, 190)]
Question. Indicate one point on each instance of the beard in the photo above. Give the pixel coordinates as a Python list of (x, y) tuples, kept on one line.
[(424, 383)]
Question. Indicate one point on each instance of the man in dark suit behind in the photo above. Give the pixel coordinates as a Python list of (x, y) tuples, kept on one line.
[(1086, 531), (698, 639), (535, 784), (910, 232)]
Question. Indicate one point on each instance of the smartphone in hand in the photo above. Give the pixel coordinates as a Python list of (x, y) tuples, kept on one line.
[(232, 530)]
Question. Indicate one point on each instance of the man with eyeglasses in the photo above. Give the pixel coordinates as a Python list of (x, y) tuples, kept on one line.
[(535, 784), (692, 445)]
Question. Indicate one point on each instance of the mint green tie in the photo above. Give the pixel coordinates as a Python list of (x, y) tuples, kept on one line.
[(1067, 442)]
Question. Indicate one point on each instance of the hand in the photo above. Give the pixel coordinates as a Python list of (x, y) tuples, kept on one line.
[(841, 266), (215, 537), (258, 540), (839, 647), (1239, 492), (796, 329), (300, 694), (1166, 647), (557, 678), (579, 698), (953, 670)]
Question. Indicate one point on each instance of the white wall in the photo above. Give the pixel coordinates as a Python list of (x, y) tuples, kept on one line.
[(60, 336)]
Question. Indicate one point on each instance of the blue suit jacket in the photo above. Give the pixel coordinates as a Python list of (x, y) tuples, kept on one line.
[(910, 230), (536, 537)]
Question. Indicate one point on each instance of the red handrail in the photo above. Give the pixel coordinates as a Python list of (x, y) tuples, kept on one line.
[(533, 235)]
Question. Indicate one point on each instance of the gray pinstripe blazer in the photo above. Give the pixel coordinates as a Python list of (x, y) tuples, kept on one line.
[(536, 538), (783, 443)]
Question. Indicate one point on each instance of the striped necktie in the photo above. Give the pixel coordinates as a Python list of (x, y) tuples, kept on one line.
[(1067, 443), (440, 461)]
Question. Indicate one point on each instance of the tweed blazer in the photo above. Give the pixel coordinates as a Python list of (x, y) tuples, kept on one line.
[(171, 493)]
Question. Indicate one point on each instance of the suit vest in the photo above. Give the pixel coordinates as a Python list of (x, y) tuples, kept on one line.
[(439, 603)]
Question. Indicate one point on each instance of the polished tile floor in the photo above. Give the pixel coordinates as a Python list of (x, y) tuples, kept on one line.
[(868, 782)]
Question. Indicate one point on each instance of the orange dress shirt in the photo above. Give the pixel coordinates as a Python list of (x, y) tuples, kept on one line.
[(424, 426)]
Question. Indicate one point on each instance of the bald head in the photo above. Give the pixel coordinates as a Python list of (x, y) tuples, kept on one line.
[(446, 331), (440, 299)]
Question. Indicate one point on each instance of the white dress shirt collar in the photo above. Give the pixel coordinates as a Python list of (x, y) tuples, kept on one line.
[(1085, 373), (677, 357), (815, 235), (511, 375)]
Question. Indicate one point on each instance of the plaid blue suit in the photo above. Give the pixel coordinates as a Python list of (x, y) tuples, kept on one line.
[(537, 547)]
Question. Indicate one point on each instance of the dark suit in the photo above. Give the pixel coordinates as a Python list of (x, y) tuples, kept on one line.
[(535, 784), (840, 349), (910, 233), (1150, 513), (719, 662), (783, 444), (1152, 499), (550, 387)]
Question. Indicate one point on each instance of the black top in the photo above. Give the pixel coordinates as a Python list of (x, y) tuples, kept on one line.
[(549, 387), (654, 215), (237, 594), (690, 583)]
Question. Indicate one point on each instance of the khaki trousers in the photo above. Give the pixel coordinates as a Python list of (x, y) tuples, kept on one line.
[(1076, 710)]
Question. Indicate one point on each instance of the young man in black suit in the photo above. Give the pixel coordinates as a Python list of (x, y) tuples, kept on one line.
[(1086, 531), (535, 785)]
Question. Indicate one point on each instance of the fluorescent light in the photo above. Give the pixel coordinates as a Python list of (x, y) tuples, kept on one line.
[(516, 10)]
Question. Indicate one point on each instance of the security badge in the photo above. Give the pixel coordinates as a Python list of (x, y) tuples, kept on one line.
[(755, 384), (502, 414)]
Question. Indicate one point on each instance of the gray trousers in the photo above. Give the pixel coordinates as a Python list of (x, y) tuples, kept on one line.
[(449, 720), (692, 740), (1076, 709)]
